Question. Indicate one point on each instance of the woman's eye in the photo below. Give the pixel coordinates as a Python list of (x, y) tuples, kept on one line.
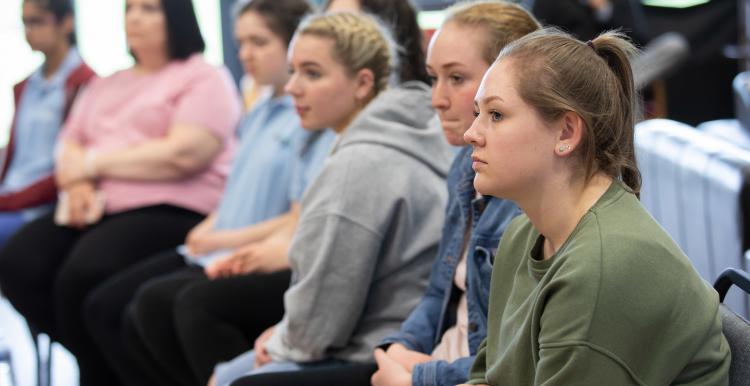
[(476, 114), (457, 79), (495, 116), (432, 79), (258, 42)]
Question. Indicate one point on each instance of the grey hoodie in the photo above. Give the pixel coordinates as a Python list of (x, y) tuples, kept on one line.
[(368, 232)]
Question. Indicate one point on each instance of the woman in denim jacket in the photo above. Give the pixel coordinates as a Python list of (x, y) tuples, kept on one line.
[(437, 343)]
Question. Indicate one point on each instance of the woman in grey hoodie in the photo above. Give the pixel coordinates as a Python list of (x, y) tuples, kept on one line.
[(370, 223)]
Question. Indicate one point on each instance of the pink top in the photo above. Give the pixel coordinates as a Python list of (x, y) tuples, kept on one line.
[(129, 108), (454, 344)]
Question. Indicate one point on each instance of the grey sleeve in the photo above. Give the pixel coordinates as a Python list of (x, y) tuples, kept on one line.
[(329, 291)]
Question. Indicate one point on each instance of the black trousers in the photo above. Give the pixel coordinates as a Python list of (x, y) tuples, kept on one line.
[(47, 271), (186, 321), (104, 317), (352, 374)]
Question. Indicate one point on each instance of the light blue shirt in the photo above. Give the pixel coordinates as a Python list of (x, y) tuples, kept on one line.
[(314, 149), (275, 162), (39, 117)]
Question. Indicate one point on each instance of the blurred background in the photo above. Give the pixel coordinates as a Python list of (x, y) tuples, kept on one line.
[(699, 90)]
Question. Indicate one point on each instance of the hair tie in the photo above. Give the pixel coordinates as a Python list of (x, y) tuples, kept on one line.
[(591, 44)]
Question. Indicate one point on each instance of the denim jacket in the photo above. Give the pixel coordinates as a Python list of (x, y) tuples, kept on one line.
[(424, 328)]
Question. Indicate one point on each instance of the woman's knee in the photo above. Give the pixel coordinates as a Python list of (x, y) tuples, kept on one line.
[(152, 305), (74, 281), (190, 300), (100, 308)]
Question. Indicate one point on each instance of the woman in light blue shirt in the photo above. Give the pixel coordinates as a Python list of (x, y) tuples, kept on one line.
[(42, 101)]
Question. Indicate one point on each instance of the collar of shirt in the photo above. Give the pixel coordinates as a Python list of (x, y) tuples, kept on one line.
[(71, 61)]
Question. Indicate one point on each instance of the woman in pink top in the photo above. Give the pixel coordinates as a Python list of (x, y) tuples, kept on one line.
[(142, 158)]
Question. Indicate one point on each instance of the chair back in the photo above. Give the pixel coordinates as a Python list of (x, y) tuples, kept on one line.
[(736, 329), (698, 188)]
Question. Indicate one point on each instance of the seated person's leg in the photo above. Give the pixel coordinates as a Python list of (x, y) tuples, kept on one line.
[(148, 368), (228, 371), (29, 263), (151, 320), (109, 247), (104, 309), (219, 319), (351, 374), (243, 365)]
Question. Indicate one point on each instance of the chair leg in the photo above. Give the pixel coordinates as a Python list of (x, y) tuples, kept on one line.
[(48, 367), (40, 381), (7, 377), (43, 364)]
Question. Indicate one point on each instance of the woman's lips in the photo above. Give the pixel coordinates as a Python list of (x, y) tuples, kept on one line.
[(301, 110), (476, 162)]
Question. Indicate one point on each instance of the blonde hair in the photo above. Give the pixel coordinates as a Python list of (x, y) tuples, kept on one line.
[(359, 43), (502, 22), (555, 73)]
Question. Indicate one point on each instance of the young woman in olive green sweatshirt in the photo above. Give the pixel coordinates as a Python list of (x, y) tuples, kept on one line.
[(587, 289)]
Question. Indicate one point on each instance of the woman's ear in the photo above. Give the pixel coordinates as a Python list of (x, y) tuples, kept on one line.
[(570, 134), (365, 85), (68, 25)]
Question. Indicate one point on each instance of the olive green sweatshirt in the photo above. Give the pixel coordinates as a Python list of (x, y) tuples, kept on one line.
[(618, 304)]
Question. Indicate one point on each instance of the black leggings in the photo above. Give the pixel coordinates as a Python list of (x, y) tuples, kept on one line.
[(106, 305), (47, 271), (351, 374), (186, 321)]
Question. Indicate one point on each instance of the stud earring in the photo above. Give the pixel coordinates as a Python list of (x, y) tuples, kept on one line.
[(563, 148)]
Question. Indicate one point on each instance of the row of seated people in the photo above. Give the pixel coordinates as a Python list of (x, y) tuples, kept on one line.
[(335, 254)]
